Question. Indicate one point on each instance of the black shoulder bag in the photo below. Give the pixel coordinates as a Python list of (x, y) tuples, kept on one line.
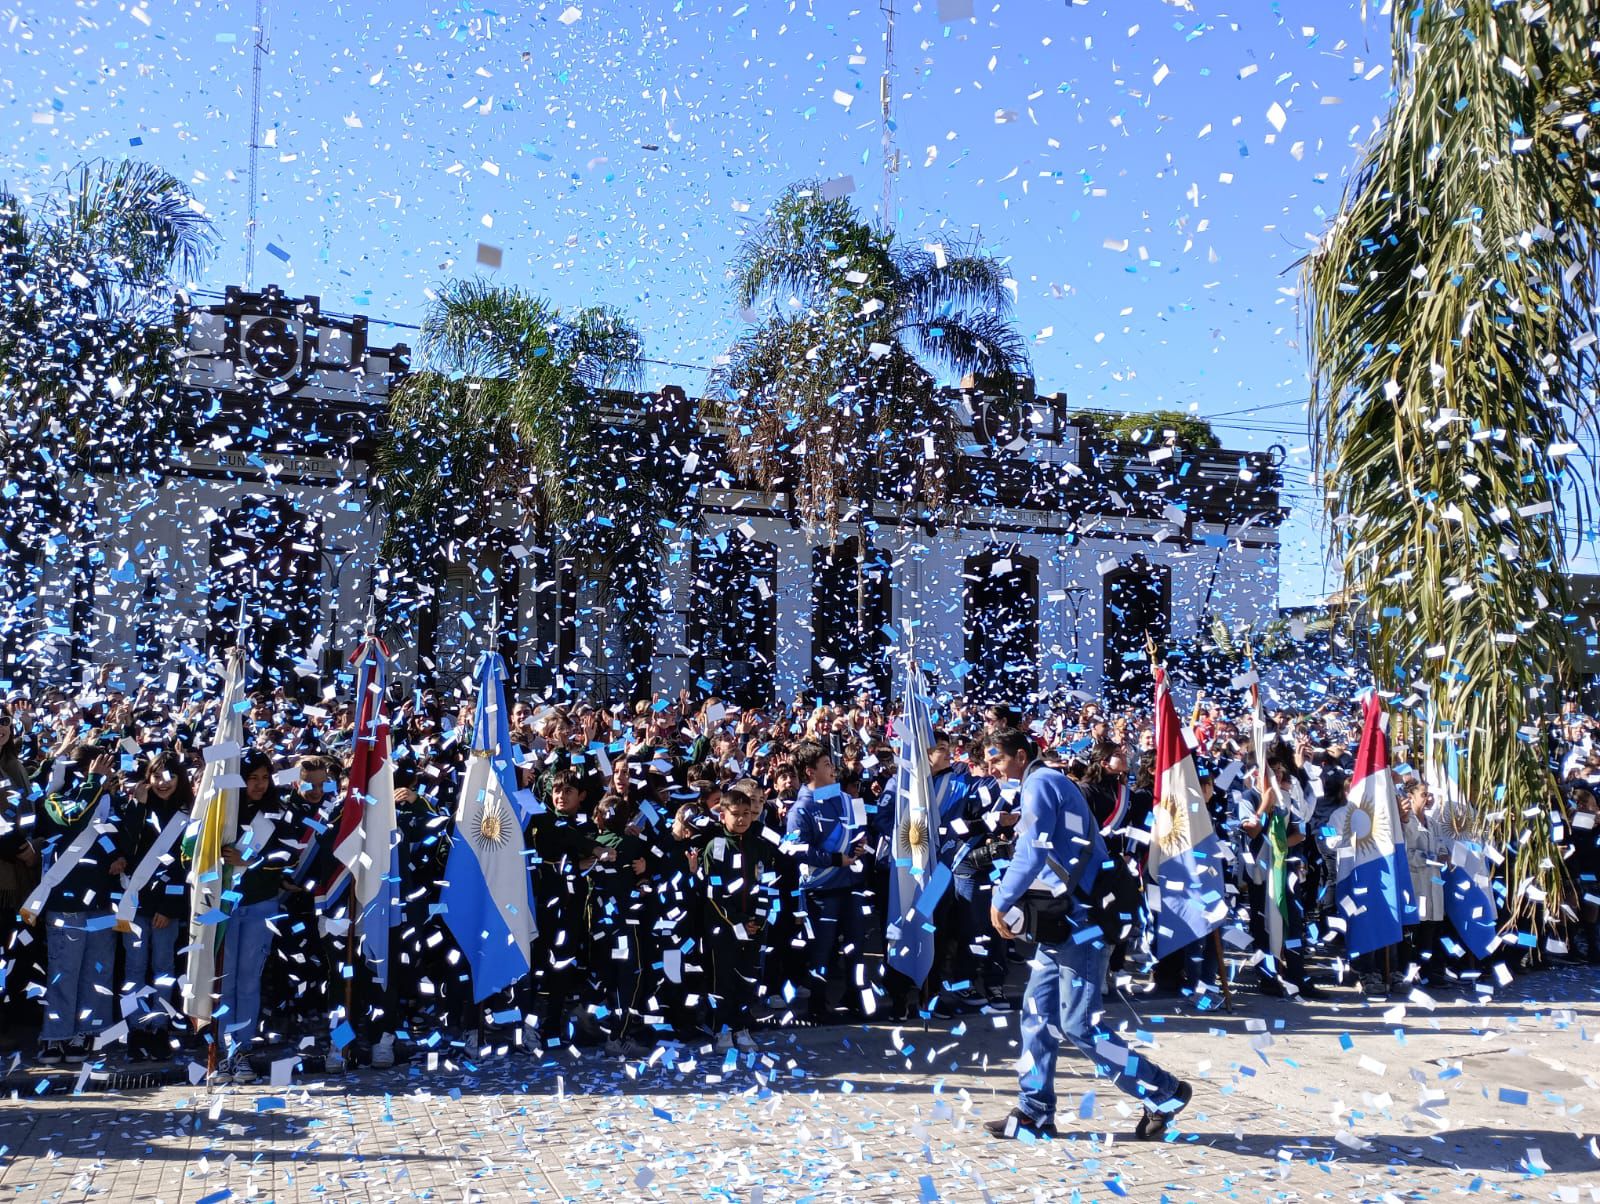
[(1113, 902)]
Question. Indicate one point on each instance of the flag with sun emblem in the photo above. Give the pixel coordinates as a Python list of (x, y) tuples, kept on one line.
[(916, 876), (1184, 866), (1374, 878), (487, 893)]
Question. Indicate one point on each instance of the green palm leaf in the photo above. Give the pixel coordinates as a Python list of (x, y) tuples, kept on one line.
[(1448, 306), (829, 396)]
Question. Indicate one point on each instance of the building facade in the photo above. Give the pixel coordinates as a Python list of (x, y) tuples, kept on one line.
[(1057, 555)]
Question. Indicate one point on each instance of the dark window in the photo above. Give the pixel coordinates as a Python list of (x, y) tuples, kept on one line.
[(733, 608), (1137, 608), (266, 557), (849, 611), (1000, 624)]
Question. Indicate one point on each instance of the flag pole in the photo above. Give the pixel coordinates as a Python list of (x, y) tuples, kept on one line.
[(212, 1054), (350, 901)]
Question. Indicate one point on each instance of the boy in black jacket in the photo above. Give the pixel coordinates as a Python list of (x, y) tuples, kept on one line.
[(733, 868), (568, 846)]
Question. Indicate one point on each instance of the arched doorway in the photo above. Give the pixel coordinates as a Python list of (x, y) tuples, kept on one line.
[(266, 556), (733, 610), (1000, 624), (1136, 608), (849, 611)]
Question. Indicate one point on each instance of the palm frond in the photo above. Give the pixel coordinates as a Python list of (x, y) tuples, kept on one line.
[(1447, 307), (604, 348), (475, 327), (972, 341), (138, 217), (807, 247), (965, 281)]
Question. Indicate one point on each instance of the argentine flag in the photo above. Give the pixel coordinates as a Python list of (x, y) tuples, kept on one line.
[(1184, 868), (488, 893), (917, 878), (1374, 878)]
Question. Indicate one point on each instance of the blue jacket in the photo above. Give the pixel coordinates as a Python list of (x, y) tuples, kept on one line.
[(817, 837), (1056, 823)]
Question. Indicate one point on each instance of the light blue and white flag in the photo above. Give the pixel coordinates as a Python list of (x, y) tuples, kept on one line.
[(488, 893), (917, 878)]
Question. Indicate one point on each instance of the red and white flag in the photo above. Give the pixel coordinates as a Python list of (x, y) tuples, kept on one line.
[(366, 840)]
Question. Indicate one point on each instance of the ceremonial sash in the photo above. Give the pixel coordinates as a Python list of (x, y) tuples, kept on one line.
[(64, 864), (1277, 897), (134, 883)]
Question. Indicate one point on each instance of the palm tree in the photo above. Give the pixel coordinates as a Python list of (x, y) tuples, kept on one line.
[(1450, 310), (89, 273), (503, 408), (830, 397)]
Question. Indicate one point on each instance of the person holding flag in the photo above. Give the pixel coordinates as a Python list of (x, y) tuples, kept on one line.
[(1468, 892), (826, 840), (977, 822), (1271, 830), (1183, 867), (365, 869), (487, 896), (1373, 875)]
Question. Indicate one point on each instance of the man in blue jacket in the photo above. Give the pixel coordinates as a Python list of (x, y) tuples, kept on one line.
[(823, 839), (1059, 852)]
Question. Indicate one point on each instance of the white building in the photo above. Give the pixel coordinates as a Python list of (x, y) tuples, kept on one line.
[(1058, 555)]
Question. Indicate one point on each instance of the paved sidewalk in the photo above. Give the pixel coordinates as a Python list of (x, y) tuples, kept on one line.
[(1338, 1100)]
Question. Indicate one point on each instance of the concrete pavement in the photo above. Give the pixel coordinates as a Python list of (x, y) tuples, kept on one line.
[(1340, 1099)]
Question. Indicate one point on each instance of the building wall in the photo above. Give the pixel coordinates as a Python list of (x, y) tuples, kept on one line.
[(928, 587), (289, 403), (163, 531)]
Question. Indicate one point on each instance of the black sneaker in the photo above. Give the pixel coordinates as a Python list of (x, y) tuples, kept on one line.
[(77, 1049), (997, 1000), (1154, 1123), (51, 1053), (1017, 1121), (967, 999), (139, 1046)]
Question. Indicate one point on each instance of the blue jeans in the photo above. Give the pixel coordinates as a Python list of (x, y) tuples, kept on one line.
[(246, 944), (149, 958), (1063, 1001), (77, 991)]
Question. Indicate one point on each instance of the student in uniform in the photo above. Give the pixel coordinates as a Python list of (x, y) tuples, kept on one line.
[(739, 892)]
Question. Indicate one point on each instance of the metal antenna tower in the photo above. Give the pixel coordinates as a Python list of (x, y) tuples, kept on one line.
[(891, 161), (259, 53)]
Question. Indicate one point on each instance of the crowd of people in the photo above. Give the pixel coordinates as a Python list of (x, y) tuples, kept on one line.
[(699, 869)]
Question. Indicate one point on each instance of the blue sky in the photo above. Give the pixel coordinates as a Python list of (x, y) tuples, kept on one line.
[(1152, 169)]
